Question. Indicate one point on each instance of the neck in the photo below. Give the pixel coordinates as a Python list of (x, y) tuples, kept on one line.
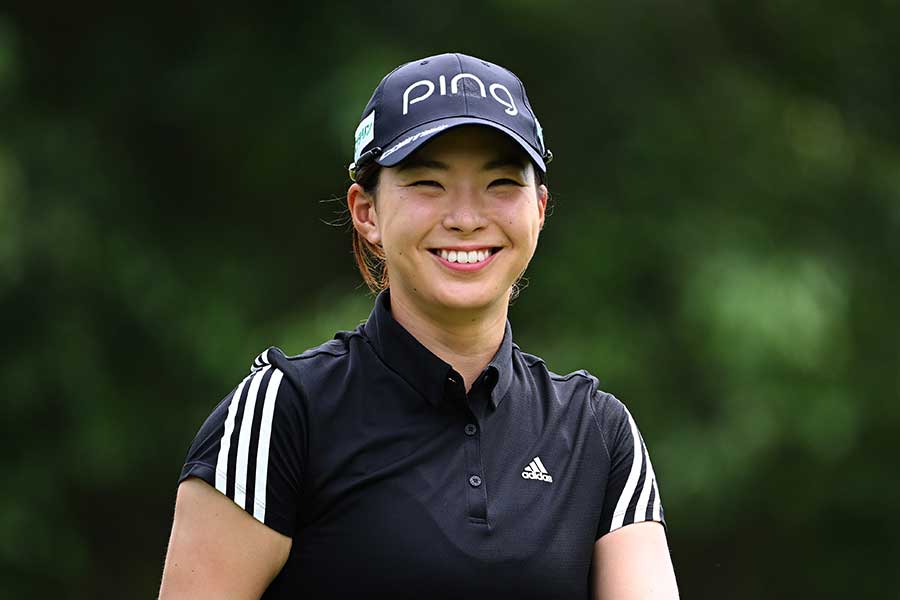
[(466, 340)]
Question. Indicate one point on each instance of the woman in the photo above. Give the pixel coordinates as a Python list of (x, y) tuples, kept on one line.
[(423, 454)]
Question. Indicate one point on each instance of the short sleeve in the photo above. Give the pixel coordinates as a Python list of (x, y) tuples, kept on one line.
[(251, 448), (632, 492)]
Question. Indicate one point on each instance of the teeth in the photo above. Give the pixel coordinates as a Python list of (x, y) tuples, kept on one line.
[(460, 257)]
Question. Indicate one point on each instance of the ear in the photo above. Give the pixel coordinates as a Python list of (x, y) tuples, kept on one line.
[(363, 213), (542, 195)]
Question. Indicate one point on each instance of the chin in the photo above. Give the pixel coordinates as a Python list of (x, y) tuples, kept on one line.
[(469, 297)]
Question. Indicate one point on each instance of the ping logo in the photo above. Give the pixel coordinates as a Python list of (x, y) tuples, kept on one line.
[(536, 470), (428, 90)]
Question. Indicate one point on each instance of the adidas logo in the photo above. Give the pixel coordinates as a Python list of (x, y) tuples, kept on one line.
[(536, 470)]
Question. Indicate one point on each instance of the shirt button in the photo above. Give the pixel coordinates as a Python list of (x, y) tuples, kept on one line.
[(471, 429), (474, 480)]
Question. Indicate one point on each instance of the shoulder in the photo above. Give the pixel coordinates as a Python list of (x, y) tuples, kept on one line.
[(580, 384), (298, 367), (580, 389), (311, 369)]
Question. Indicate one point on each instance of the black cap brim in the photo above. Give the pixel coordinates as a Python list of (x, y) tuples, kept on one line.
[(413, 139)]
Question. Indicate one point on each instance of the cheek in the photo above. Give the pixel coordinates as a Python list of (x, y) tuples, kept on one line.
[(407, 227), (522, 220)]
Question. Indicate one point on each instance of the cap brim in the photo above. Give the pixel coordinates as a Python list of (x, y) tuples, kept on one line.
[(412, 140)]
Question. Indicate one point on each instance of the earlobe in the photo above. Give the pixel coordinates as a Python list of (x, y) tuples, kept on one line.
[(373, 236)]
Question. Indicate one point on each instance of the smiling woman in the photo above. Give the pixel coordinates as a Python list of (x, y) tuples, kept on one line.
[(424, 454), (503, 169)]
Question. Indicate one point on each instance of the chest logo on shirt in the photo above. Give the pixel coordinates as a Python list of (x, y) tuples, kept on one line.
[(536, 470)]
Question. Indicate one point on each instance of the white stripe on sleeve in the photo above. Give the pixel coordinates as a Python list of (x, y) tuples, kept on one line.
[(225, 442), (633, 476), (657, 503), (262, 452), (240, 471)]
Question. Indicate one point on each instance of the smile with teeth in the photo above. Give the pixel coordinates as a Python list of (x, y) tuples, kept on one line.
[(462, 257)]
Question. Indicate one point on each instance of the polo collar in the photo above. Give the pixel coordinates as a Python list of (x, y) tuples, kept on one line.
[(421, 368)]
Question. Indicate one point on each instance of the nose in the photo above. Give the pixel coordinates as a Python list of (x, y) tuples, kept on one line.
[(465, 213)]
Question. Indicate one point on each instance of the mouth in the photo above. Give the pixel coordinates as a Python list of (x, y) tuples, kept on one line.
[(465, 259), (465, 256)]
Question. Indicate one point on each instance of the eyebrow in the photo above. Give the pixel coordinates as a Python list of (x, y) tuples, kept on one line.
[(424, 163)]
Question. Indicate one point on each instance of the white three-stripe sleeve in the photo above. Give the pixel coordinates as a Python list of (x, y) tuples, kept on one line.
[(633, 476), (631, 489), (253, 446), (225, 443), (262, 454)]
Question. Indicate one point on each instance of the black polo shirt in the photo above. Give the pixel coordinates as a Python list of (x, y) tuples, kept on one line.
[(392, 481)]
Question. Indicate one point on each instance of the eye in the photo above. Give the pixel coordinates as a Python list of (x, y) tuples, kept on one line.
[(426, 182), (506, 182)]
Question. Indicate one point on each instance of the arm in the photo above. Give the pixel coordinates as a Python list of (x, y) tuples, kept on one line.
[(633, 563), (217, 550), (631, 557)]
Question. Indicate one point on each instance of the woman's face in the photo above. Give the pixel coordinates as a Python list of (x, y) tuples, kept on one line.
[(458, 220)]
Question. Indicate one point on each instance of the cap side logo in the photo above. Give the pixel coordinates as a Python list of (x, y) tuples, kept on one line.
[(411, 139), (365, 133)]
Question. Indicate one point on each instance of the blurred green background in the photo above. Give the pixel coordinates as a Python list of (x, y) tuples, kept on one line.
[(723, 254)]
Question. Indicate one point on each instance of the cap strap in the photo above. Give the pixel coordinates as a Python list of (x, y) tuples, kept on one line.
[(361, 162)]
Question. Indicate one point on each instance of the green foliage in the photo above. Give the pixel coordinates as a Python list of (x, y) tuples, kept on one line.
[(724, 255)]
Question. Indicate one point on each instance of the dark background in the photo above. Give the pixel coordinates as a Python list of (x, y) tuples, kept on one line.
[(723, 255)]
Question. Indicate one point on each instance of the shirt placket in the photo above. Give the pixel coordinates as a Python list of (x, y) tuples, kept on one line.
[(476, 486)]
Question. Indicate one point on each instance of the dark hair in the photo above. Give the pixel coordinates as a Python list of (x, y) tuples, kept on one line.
[(370, 257)]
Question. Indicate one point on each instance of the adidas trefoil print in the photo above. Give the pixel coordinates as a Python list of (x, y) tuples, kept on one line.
[(536, 470)]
